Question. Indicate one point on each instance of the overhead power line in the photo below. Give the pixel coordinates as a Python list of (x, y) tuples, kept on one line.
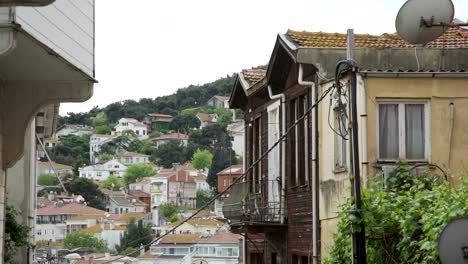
[(306, 114)]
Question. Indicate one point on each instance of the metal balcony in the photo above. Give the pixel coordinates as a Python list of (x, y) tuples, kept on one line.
[(254, 204)]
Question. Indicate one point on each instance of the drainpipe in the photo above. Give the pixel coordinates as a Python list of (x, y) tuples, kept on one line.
[(282, 98), (452, 115), (313, 92), (364, 162)]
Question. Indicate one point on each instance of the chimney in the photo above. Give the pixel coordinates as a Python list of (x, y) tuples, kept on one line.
[(51, 196), (142, 250)]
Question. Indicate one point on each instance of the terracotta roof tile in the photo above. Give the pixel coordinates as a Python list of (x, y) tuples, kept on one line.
[(253, 76), (129, 200), (139, 193), (98, 228), (68, 209), (233, 170), (86, 217), (453, 38), (221, 98), (172, 136), (127, 217), (131, 154), (160, 115), (181, 238), (222, 237), (206, 117), (201, 222)]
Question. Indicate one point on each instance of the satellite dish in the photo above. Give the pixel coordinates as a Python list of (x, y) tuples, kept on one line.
[(421, 21), (453, 242)]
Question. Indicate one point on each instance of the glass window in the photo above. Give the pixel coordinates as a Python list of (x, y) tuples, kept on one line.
[(402, 131)]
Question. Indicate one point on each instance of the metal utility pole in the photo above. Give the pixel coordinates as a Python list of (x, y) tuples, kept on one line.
[(359, 236)]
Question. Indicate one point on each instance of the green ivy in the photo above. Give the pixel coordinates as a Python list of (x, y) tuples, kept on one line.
[(403, 219), (16, 234)]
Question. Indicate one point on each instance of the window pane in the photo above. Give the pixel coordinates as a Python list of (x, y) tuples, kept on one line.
[(414, 115), (388, 131)]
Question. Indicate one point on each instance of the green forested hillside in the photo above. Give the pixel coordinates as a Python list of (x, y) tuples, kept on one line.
[(188, 97)]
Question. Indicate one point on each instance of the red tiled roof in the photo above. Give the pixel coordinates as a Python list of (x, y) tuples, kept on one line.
[(139, 193), (253, 76), (182, 177), (453, 38), (233, 170), (221, 98), (131, 154), (159, 115), (134, 122), (68, 209), (206, 117), (222, 237), (122, 200), (172, 136)]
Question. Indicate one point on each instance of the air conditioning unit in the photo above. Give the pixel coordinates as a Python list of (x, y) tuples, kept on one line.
[(26, 2)]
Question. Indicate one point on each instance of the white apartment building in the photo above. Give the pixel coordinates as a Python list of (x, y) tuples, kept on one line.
[(95, 143), (101, 172), (140, 129)]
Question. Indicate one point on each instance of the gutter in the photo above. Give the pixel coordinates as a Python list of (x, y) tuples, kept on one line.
[(414, 74), (313, 91), (282, 98)]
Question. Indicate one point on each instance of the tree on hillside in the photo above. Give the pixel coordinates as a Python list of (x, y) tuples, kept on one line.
[(82, 239), (136, 234), (47, 180), (112, 183), (203, 197), (173, 151), (136, 171), (103, 130), (223, 158), (70, 148), (169, 211), (105, 157), (89, 190), (184, 123), (99, 120), (202, 159), (148, 148)]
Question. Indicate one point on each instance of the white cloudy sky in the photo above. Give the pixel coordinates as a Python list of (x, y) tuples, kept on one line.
[(151, 48)]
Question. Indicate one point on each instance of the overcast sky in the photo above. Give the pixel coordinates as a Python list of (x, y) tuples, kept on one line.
[(151, 48)]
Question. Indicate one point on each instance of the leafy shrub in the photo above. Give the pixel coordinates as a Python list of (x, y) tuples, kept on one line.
[(47, 180), (403, 220)]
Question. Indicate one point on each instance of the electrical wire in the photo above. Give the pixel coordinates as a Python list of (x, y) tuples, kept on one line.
[(253, 165)]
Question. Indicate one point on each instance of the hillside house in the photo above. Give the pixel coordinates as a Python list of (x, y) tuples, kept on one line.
[(227, 176), (193, 248), (128, 158), (46, 58), (236, 130), (95, 143), (140, 129), (125, 203), (398, 114), (157, 122), (51, 142), (218, 101), (44, 167), (163, 139), (202, 226), (76, 130), (206, 119), (51, 220), (100, 172)]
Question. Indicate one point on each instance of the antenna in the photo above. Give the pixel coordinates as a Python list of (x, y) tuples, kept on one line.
[(453, 242), (422, 21)]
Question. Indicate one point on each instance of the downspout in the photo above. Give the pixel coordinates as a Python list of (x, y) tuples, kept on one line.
[(282, 98), (315, 172), (452, 115), (364, 162)]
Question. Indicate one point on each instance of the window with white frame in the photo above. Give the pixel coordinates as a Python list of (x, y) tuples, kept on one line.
[(403, 130)]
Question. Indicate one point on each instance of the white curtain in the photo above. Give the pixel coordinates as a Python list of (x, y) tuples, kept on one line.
[(388, 131), (414, 114)]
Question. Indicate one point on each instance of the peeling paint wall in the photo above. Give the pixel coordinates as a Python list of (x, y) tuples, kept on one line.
[(439, 92)]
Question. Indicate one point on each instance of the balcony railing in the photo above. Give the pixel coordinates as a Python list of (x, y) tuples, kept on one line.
[(254, 203)]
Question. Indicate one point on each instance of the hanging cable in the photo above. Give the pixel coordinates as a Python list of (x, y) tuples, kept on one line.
[(213, 199), (51, 163)]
